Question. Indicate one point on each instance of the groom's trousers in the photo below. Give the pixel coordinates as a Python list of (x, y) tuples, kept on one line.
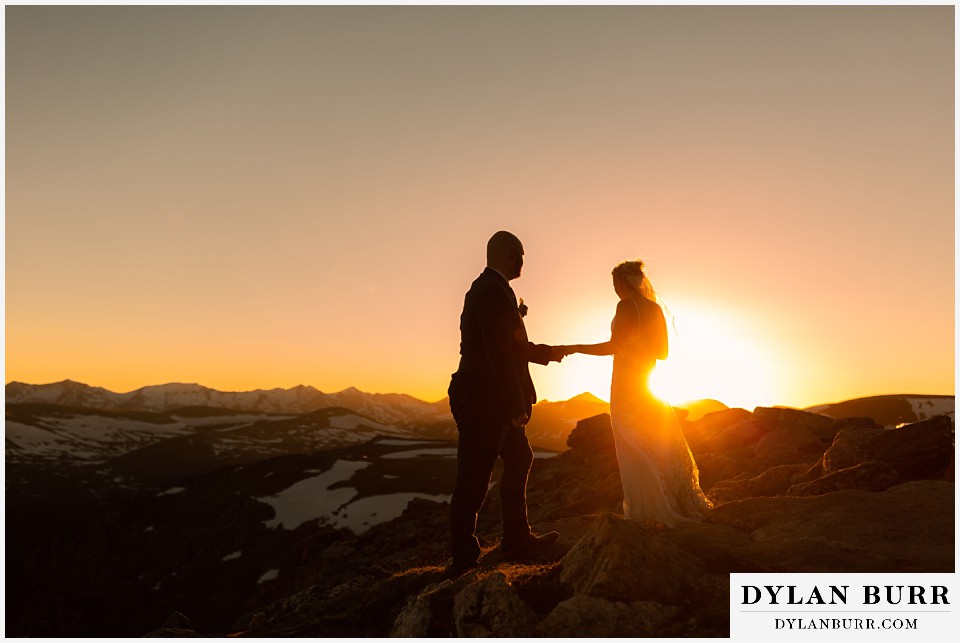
[(477, 451)]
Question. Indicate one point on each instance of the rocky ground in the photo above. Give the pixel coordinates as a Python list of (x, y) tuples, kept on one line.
[(793, 492)]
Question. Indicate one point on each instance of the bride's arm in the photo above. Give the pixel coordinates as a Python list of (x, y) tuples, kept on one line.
[(604, 348), (617, 336)]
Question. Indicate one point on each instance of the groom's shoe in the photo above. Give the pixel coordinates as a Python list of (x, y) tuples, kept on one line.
[(528, 547)]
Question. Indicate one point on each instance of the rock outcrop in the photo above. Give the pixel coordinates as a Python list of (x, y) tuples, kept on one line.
[(625, 561), (491, 607), (417, 619), (915, 451)]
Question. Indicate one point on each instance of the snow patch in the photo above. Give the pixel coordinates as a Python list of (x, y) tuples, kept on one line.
[(270, 575), (235, 555), (172, 491), (36, 440), (361, 515), (312, 499), (925, 407), (93, 438)]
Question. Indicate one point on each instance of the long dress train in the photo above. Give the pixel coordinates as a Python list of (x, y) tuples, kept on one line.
[(660, 477)]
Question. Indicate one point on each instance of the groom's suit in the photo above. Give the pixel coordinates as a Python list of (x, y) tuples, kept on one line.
[(491, 387)]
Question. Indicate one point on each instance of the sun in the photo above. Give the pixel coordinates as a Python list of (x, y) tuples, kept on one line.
[(711, 357)]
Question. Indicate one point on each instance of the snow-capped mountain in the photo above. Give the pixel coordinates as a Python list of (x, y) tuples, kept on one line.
[(65, 393), (385, 408)]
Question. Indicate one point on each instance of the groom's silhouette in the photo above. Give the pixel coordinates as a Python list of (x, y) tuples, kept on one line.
[(491, 397)]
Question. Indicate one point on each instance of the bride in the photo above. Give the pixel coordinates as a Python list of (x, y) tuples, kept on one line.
[(660, 478)]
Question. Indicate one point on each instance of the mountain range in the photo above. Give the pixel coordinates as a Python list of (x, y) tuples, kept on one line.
[(185, 408), (392, 408), (386, 407), (80, 427)]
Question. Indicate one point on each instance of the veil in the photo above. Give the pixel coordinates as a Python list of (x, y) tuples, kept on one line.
[(648, 291)]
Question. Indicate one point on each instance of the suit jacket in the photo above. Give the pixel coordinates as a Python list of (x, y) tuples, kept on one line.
[(493, 383)]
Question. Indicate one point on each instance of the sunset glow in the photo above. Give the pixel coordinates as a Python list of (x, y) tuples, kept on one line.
[(256, 197), (710, 359)]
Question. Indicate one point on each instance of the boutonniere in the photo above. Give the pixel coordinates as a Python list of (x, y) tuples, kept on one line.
[(522, 308)]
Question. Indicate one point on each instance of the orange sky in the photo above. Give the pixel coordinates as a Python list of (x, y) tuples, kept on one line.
[(259, 197)]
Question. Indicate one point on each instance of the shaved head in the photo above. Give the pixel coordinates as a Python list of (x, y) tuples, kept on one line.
[(505, 254)]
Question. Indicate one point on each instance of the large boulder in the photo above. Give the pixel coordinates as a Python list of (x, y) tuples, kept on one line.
[(491, 607), (778, 416), (790, 444), (630, 561), (791, 435), (418, 619), (916, 451), (731, 431), (592, 434)]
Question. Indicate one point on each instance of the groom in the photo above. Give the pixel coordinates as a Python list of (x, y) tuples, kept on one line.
[(491, 396)]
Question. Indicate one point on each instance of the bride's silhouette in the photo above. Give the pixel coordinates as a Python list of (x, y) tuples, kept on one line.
[(660, 478)]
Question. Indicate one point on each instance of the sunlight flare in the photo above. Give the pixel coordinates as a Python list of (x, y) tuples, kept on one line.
[(712, 358)]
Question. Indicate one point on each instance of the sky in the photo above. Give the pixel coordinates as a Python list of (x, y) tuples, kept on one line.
[(261, 197)]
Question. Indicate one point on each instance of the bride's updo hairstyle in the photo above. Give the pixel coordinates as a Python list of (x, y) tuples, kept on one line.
[(630, 273)]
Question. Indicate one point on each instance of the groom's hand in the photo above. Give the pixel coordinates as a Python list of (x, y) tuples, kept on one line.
[(557, 353)]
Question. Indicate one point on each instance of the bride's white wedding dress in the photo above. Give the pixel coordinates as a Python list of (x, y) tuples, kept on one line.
[(660, 478)]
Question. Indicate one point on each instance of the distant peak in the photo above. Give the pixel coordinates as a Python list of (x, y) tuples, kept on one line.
[(586, 397)]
